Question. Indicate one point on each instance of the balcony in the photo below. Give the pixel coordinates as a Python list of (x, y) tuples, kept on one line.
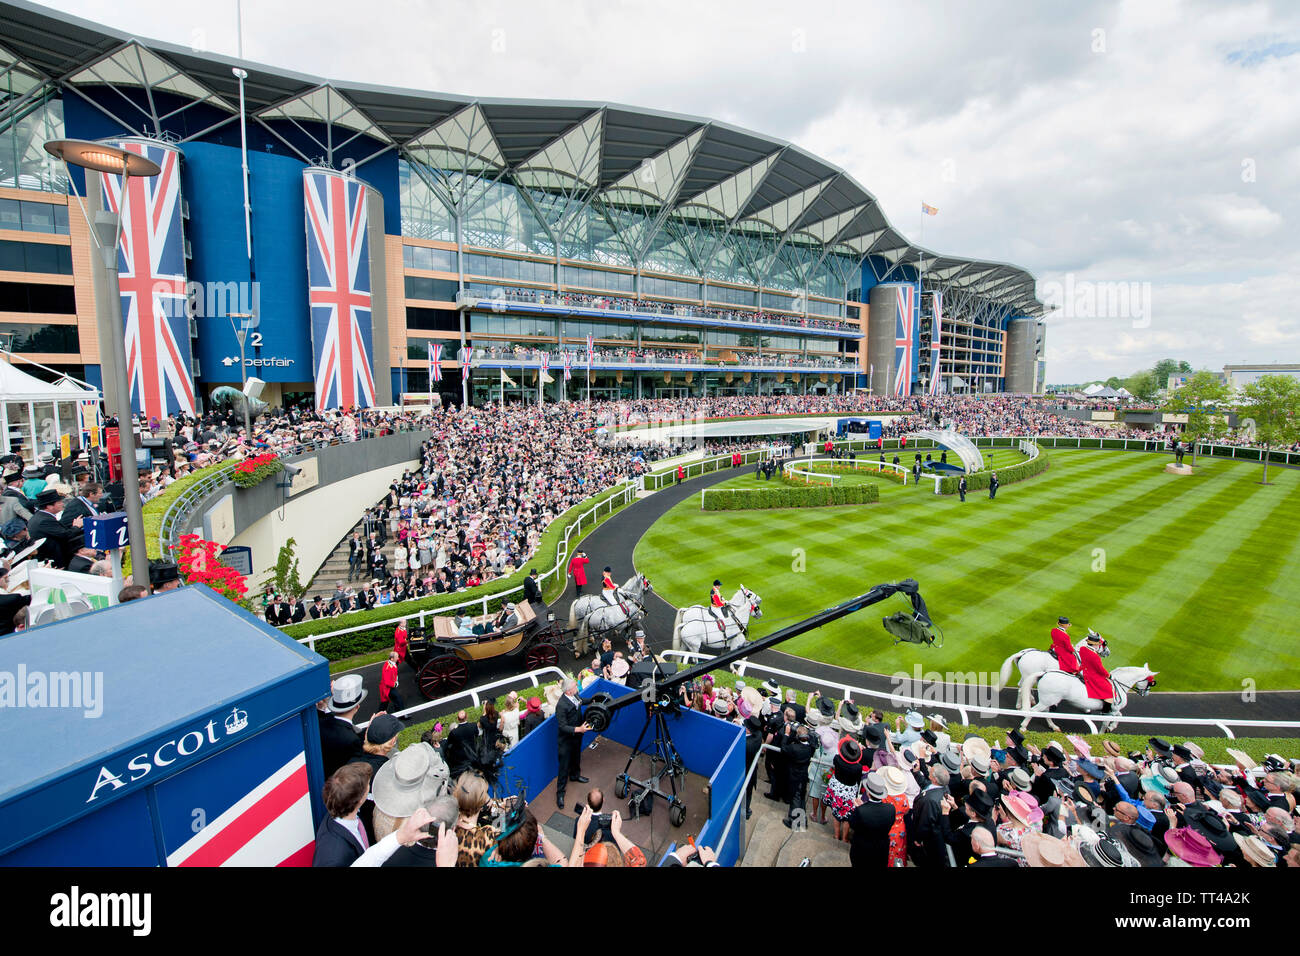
[(652, 360), (582, 305)]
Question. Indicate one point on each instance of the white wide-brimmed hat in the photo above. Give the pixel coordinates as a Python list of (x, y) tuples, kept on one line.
[(410, 780)]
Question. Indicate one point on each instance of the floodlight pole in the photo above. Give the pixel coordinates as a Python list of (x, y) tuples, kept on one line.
[(241, 335), (108, 224)]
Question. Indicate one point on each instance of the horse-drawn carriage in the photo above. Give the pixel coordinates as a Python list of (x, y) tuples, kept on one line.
[(442, 656)]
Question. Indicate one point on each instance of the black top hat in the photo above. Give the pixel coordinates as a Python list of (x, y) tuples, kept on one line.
[(717, 584), (875, 735), (1016, 738), (1062, 620), (850, 710), (48, 497), (980, 802), (162, 572), (1181, 751), (608, 569), (1160, 745), (826, 706), (930, 737)]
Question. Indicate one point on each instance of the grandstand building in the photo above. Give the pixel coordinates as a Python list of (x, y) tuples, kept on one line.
[(670, 254)]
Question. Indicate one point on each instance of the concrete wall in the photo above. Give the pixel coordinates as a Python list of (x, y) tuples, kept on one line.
[(325, 500), (1021, 355)]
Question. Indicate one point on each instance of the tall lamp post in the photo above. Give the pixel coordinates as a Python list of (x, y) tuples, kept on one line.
[(241, 336), (106, 228)]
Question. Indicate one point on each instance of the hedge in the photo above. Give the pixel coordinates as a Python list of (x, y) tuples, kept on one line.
[(789, 496), (358, 642), (1006, 476), (889, 474)]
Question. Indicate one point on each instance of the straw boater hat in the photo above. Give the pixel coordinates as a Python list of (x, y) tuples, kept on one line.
[(1047, 851), (1255, 850), (1111, 748), (410, 781), (1196, 751), (895, 780), (1019, 779), (1246, 761)]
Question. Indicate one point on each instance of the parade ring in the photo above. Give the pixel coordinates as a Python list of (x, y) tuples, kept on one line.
[(678, 571)]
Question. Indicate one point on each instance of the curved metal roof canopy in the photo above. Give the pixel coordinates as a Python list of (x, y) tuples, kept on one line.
[(704, 172)]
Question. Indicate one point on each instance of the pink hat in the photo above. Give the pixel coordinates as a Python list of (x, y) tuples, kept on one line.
[(1021, 808), (1192, 847), (1080, 746)]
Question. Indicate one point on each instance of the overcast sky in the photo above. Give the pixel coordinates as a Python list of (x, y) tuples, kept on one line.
[(1150, 144)]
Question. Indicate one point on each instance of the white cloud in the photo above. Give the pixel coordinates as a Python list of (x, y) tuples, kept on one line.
[(1162, 149)]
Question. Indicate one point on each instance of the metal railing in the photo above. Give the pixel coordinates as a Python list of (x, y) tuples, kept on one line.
[(475, 693), (964, 710), (178, 513), (867, 464)]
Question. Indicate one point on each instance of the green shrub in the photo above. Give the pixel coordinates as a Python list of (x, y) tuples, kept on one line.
[(789, 496), (1006, 476), (825, 468)]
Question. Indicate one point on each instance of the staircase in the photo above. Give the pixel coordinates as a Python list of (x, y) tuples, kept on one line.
[(335, 569), (772, 843)]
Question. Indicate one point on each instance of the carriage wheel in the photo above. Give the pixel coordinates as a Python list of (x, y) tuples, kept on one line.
[(442, 676), (540, 655)]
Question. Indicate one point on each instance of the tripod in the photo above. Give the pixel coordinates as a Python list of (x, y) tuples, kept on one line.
[(664, 761)]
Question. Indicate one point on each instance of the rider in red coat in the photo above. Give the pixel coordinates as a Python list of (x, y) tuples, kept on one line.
[(1066, 658), (578, 568), (1095, 676)]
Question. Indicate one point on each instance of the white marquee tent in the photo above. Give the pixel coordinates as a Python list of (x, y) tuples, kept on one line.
[(36, 414)]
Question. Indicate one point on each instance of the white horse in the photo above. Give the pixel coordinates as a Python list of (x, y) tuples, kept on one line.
[(1057, 687), (1034, 663), (634, 590), (698, 627), (607, 620)]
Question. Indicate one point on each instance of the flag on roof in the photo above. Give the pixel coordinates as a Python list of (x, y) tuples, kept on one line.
[(929, 210)]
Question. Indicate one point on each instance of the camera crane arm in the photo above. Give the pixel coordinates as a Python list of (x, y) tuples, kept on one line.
[(602, 706)]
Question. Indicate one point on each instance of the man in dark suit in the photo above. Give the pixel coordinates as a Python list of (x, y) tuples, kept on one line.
[(871, 822), (797, 746), (975, 810), (295, 611), (961, 487), (342, 837), (568, 717), (462, 743), (533, 589), (925, 839), (82, 505), (993, 485), (982, 843), (61, 542), (277, 612), (339, 740)]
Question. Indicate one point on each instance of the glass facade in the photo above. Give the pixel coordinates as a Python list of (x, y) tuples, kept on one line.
[(571, 276), (429, 260), (35, 257), (24, 163), (30, 216)]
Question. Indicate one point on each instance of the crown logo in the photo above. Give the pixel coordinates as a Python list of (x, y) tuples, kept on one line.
[(237, 721)]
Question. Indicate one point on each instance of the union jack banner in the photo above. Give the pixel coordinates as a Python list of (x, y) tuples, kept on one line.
[(934, 343), (151, 274), (338, 271), (464, 356), (270, 825), (568, 365), (591, 350), (435, 362), (904, 324)]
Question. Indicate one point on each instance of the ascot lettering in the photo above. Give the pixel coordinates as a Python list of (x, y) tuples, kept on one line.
[(141, 765)]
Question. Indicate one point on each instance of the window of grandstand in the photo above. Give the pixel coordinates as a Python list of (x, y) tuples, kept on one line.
[(19, 297), (423, 214), (432, 320), (599, 330), (23, 163), (725, 295), (433, 260), (33, 216), (779, 300), (652, 333), (439, 290), (518, 270), (833, 309), (35, 257), (597, 279), (651, 285), (59, 339), (481, 323)]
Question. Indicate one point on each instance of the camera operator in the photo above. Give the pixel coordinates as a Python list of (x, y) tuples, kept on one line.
[(797, 746)]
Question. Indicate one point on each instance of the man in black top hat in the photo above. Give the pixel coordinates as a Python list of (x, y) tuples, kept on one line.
[(796, 745), (961, 487), (533, 588), (975, 813), (871, 821), (61, 541)]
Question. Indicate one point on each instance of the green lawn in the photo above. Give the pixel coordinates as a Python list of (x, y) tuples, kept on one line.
[(1195, 575)]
